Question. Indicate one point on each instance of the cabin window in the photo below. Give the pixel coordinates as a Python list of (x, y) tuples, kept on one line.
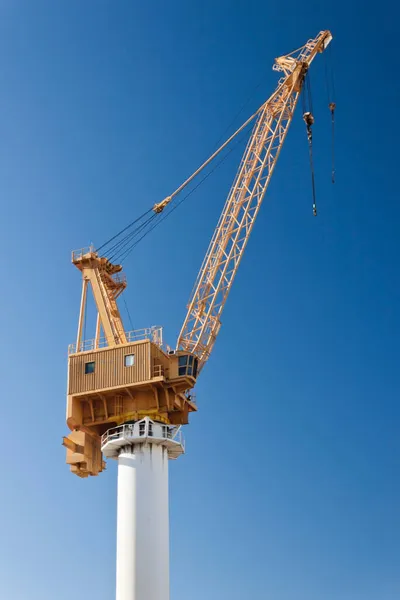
[(187, 365), (129, 360), (182, 364), (190, 366), (142, 427), (89, 367)]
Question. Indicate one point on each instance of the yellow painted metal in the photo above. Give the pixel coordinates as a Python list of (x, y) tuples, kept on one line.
[(115, 391), (107, 285), (72, 446), (110, 393), (214, 281), (84, 453), (109, 368), (98, 328), (82, 312)]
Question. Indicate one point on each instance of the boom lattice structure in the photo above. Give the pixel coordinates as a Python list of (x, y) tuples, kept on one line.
[(225, 251)]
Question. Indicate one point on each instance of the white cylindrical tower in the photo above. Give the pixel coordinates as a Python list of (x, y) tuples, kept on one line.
[(143, 450), (142, 523)]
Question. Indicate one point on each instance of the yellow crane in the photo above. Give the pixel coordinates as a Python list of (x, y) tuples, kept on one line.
[(121, 377)]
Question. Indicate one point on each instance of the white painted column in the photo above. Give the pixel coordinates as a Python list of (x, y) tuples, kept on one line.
[(143, 523)]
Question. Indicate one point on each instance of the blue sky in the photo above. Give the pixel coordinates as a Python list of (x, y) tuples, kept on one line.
[(290, 486)]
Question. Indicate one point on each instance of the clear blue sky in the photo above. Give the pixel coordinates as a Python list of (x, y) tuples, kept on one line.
[(290, 486)]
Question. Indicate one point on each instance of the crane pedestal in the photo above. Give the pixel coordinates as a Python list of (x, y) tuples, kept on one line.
[(143, 450)]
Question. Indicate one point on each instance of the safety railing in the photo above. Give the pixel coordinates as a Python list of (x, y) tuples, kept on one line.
[(119, 278), (77, 254), (154, 334), (144, 429), (158, 371), (191, 396)]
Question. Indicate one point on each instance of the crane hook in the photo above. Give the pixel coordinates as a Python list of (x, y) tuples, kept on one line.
[(309, 121)]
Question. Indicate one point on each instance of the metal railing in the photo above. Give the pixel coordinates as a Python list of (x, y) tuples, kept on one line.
[(154, 334), (77, 254), (191, 396), (135, 431), (158, 371), (119, 277)]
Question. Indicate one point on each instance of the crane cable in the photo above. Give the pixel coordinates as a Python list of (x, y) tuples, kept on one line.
[(128, 313), (308, 118), (123, 230), (119, 249), (161, 205), (330, 88), (241, 109), (332, 107), (145, 224), (124, 255)]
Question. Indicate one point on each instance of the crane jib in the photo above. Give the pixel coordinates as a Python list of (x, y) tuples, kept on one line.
[(227, 245)]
